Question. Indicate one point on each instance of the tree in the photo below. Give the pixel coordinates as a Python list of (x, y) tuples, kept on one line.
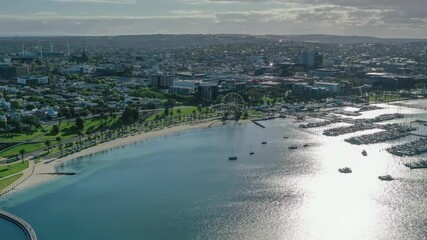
[(178, 111), (58, 139), (48, 145), (79, 124), (22, 152), (55, 129), (166, 112), (61, 148), (130, 115)]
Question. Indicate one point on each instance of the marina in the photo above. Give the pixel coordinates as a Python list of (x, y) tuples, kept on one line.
[(410, 149), (392, 132)]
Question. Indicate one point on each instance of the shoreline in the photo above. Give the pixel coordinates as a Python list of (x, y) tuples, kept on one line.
[(39, 177)]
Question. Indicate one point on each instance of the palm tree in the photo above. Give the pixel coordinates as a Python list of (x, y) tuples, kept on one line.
[(58, 139), (61, 147), (48, 145), (178, 111), (22, 152)]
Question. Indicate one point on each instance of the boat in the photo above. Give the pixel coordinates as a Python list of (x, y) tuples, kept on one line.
[(293, 147), (252, 152), (232, 157), (364, 153), (285, 137), (386, 178), (417, 165), (345, 170), (263, 142), (306, 145)]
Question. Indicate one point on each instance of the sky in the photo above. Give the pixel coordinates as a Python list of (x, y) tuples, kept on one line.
[(378, 18)]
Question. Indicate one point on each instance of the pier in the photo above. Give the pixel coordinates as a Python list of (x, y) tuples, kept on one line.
[(61, 173), (21, 223), (258, 124)]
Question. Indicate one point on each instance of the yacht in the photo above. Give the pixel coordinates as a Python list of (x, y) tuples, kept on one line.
[(345, 170), (386, 178), (364, 153), (252, 152), (232, 157)]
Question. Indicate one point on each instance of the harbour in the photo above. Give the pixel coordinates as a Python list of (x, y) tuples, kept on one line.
[(277, 193)]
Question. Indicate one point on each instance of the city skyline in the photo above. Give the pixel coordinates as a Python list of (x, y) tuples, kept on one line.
[(379, 18)]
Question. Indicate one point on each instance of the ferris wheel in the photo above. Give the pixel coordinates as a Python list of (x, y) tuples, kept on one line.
[(232, 105)]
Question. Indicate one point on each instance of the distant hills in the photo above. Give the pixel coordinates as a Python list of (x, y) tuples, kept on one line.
[(187, 40), (320, 38)]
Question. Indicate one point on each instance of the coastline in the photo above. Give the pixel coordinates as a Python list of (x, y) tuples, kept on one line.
[(38, 176)]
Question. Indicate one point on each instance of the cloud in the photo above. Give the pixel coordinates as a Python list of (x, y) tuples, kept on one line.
[(98, 1)]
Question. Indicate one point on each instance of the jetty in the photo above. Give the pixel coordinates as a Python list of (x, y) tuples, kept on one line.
[(21, 223), (258, 124), (393, 131), (61, 173), (409, 149)]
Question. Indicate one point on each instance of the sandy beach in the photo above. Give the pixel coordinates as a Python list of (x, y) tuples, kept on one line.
[(36, 175)]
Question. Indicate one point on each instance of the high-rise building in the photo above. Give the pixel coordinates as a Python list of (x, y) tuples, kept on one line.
[(310, 59), (161, 80)]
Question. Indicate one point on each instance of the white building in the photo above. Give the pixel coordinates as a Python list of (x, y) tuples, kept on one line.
[(332, 87), (32, 80)]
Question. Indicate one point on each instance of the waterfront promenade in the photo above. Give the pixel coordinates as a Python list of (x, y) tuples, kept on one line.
[(21, 223)]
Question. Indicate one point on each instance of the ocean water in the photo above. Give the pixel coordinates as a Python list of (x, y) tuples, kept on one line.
[(10, 231), (184, 187)]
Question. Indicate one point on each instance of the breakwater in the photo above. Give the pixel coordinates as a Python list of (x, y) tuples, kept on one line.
[(21, 223)]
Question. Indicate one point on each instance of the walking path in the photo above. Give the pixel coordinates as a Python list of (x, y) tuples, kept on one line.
[(25, 175)]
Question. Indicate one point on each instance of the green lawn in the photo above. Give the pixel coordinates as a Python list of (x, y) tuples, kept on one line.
[(13, 168), (29, 147), (184, 111), (66, 132), (18, 137), (6, 182)]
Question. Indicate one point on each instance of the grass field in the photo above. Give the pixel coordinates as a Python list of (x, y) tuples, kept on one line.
[(6, 182), (12, 169), (67, 131), (29, 147)]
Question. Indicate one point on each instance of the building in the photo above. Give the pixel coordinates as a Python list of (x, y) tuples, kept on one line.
[(189, 75), (323, 73), (7, 71), (310, 59), (207, 92), (161, 80), (181, 90), (233, 87), (32, 80), (332, 87)]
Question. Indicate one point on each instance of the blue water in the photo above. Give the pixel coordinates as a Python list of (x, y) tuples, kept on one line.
[(183, 187), (10, 231)]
